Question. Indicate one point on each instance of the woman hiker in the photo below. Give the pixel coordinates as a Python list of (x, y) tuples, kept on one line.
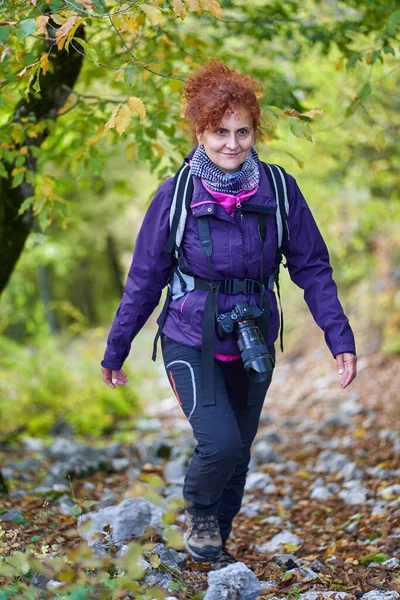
[(216, 234)]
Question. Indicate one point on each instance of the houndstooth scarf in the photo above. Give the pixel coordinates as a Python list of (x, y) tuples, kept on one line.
[(246, 178)]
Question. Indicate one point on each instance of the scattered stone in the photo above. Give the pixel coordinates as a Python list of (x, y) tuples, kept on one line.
[(173, 492), (337, 420), (157, 578), (316, 566), (273, 520), (148, 424), (279, 540), (168, 556), (305, 573), (331, 462), (11, 514), (125, 521), (377, 595), (392, 563), (175, 470), (379, 508), (310, 595), (114, 449), (353, 493), (120, 464), (32, 444), (252, 509), (53, 584), (391, 492), (264, 453), (320, 493), (88, 486), (235, 581), (259, 481), (287, 561), (108, 498), (350, 471)]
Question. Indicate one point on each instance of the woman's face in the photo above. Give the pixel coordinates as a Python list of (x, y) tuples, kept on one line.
[(229, 144)]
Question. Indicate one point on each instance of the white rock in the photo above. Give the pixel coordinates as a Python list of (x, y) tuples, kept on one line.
[(320, 493), (392, 563), (234, 581), (377, 595), (310, 595), (331, 462), (259, 481), (279, 540), (127, 520), (391, 490)]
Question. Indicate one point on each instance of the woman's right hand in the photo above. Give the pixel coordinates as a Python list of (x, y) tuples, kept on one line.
[(113, 378)]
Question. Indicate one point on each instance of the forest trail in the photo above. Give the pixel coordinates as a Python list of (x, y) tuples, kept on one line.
[(321, 511)]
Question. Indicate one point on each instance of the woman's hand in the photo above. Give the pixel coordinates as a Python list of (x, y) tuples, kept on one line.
[(347, 363), (113, 378)]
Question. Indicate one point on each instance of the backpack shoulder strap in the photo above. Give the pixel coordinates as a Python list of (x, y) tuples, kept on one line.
[(277, 179), (183, 190)]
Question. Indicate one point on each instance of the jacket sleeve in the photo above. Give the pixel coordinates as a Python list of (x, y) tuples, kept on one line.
[(147, 276), (310, 269)]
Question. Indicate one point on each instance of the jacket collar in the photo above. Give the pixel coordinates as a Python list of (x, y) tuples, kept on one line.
[(206, 204)]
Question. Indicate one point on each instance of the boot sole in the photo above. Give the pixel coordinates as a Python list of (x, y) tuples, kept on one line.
[(197, 558)]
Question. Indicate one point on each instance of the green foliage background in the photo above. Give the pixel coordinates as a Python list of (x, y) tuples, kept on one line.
[(91, 185)]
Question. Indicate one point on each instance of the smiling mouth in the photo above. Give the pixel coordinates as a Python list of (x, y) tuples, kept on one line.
[(230, 154)]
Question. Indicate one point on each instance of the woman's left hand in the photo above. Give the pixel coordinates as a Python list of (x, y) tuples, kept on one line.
[(347, 363)]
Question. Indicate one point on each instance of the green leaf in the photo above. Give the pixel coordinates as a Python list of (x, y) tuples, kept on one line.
[(4, 33), (3, 172), (173, 537), (300, 129), (365, 92), (25, 28), (378, 558), (389, 50), (90, 52), (393, 22), (18, 179), (75, 510)]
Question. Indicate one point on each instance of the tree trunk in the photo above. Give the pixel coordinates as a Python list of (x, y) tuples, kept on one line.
[(14, 229)]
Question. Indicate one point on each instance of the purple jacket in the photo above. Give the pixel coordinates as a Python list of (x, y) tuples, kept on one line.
[(236, 254)]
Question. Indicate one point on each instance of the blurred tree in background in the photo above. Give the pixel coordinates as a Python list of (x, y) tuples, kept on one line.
[(90, 122)]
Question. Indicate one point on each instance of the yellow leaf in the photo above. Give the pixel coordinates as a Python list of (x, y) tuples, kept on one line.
[(380, 140), (130, 152), (173, 537), (137, 107), (72, 32), (42, 26), (58, 19), (62, 33), (27, 68), (314, 112), (175, 85), (159, 149), (153, 14), (179, 8), (44, 63), (213, 7), (155, 560), (303, 473), (359, 433), (194, 5), (122, 118)]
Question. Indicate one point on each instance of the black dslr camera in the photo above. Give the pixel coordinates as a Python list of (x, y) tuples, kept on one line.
[(254, 352)]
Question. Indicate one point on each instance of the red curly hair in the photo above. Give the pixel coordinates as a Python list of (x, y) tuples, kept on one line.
[(213, 90)]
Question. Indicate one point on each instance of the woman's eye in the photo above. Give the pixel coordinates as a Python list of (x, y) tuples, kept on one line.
[(220, 131), (243, 132)]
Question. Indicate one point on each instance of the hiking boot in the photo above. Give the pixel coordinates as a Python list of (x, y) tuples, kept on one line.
[(224, 560), (202, 538)]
